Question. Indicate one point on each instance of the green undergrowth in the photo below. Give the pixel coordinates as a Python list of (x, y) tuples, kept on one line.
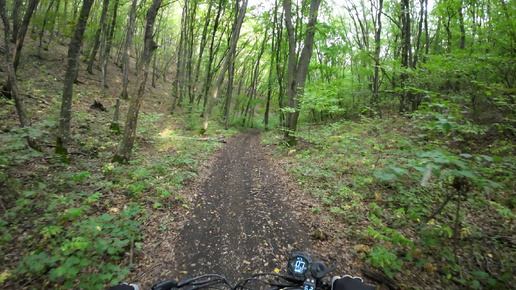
[(424, 195), (78, 225)]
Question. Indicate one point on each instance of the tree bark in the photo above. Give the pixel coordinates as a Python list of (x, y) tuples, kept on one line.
[(97, 40), (42, 31), (109, 42), (405, 50), (127, 50), (126, 147), (203, 43), (271, 68), (15, 16), (20, 37), (231, 73), (71, 73), (377, 47), (209, 72), (280, 71), (462, 29), (297, 71), (18, 100), (178, 81), (234, 40)]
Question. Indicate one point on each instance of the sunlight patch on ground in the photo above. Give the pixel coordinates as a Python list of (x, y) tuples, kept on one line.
[(167, 133)]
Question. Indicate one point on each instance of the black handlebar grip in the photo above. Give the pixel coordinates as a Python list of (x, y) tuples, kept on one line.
[(348, 283), (167, 285)]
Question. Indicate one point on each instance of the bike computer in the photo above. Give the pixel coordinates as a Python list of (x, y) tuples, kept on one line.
[(298, 265)]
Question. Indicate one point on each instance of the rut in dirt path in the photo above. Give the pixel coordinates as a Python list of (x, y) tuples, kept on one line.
[(241, 222)]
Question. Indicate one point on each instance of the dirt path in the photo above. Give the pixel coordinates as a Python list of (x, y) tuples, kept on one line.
[(241, 221)]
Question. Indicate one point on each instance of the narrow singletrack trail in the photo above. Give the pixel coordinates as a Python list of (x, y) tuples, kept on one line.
[(241, 221)]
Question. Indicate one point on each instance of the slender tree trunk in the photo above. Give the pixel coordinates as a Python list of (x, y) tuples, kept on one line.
[(271, 68), (178, 82), (109, 42), (71, 73), (419, 33), (18, 100), (190, 49), (297, 71), (256, 72), (231, 72), (54, 19), (126, 147), (280, 70), (405, 50), (127, 50), (42, 31), (462, 29), (20, 37), (427, 36), (203, 43), (114, 124), (234, 39), (207, 82), (100, 32), (15, 16), (377, 47)]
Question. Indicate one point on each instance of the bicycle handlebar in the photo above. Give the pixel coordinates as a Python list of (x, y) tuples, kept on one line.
[(303, 273)]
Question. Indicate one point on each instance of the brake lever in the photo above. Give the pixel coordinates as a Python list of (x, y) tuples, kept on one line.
[(167, 285), (320, 270)]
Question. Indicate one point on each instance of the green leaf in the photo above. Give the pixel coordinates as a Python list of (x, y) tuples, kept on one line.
[(384, 176), (81, 176)]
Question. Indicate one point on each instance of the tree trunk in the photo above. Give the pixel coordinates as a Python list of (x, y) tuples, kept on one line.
[(207, 82), (377, 47), (256, 73), (405, 51), (190, 49), (20, 37), (126, 147), (203, 43), (114, 124), (53, 25), (42, 31), (178, 81), (109, 41), (419, 33), (234, 40), (280, 71), (231, 73), (462, 29), (18, 100), (100, 30), (15, 16), (297, 71), (127, 50), (71, 73), (271, 68)]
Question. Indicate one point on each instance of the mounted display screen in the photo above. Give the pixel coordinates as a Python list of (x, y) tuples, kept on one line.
[(299, 264)]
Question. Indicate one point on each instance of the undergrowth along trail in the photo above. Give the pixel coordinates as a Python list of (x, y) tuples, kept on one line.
[(427, 211)]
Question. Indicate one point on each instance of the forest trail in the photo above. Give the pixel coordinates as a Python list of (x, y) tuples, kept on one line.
[(241, 222)]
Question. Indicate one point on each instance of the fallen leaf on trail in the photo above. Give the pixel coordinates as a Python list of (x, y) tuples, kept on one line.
[(429, 267), (246, 262), (362, 248), (5, 274), (276, 271)]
